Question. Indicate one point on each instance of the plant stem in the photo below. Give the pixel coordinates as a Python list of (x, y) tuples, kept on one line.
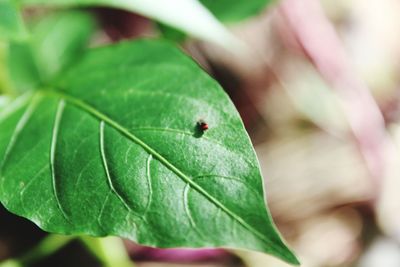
[(46, 247), (110, 251)]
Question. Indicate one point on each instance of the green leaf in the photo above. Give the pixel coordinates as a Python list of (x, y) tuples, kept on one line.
[(114, 148), (61, 38), (11, 26), (186, 15), (232, 11), (57, 41), (4, 100), (225, 10), (5, 82), (170, 33), (22, 67)]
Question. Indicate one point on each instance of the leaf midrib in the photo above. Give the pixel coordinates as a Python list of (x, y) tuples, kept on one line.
[(99, 115)]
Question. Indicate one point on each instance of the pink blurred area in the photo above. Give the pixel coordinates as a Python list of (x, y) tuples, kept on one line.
[(142, 254)]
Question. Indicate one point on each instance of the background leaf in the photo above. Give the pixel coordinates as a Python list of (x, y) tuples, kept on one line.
[(5, 82), (11, 26), (191, 17), (22, 67), (114, 149), (232, 11), (225, 10), (4, 100), (61, 38), (56, 41)]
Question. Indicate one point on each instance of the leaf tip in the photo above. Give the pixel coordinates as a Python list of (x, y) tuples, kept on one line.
[(287, 255)]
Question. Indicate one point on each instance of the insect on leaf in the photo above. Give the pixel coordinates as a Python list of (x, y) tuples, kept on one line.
[(112, 148)]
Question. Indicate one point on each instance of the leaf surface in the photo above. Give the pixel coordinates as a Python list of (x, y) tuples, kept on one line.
[(11, 26), (232, 11), (225, 10), (114, 148)]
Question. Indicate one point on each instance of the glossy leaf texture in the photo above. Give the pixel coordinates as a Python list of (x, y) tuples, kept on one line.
[(56, 42), (189, 16), (114, 148), (11, 26), (233, 11)]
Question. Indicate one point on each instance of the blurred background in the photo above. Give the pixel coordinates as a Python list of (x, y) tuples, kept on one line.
[(319, 94)]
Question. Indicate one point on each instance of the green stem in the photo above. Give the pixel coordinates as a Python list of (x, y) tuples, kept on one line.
[(110, 251), (46, 247)]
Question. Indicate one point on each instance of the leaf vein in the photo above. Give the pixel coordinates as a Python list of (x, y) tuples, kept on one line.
[(18, 129), (107, 171), (103, 117), (148, 175), (53, 147), (103, 207), (186, 205)]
